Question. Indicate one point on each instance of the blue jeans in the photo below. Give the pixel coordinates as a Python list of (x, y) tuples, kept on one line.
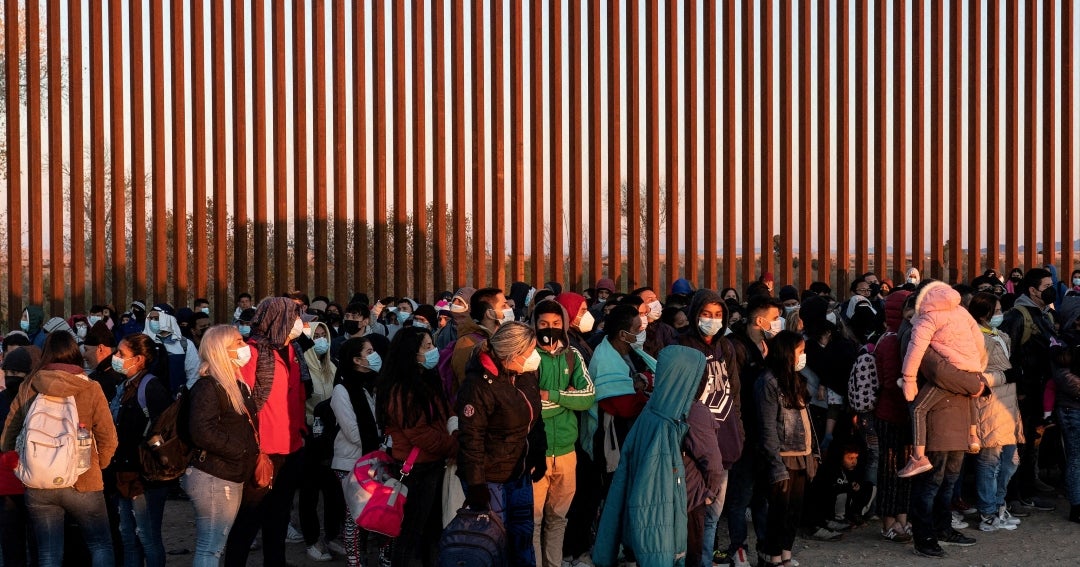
[(513, 502), (216, 502), (47, 508), (931, 495), (994, 468), (743, 492), (1069, 420), (140, 528), (712, 517)]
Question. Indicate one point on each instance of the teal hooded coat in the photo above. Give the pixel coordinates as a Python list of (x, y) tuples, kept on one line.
[(645, 508)]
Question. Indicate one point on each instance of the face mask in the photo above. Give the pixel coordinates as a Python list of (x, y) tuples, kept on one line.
[(374, 361), (308, 331), (639, 339), (831, 317), (431, 359), (155, 326), (205, 310), (996, 320), (654, 310), (532, 362), (118, 364), (25, 326), (12, 383), (243, 356), (1049, 295), (402, 316), (297, 329), (350, 326), (245, 330), (93, 319), (586, 323), (800, 362), (420, 324), (80, 331), (550, 336), (321, 346), (455, 308), (775, 327), (644, 320), (507, 315), (709, 327), (789, 309), (913, 281), (1076, 282)]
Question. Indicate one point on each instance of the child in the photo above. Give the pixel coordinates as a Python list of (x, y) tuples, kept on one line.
[(834, 480), (941, 322)]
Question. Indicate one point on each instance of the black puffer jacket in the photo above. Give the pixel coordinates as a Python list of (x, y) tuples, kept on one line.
[(499, 417), (131, 420), (225, 438)]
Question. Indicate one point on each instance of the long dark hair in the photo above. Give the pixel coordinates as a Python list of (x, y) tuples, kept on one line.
[(406, 384), (781, 362), (349, 350), (59, 348)]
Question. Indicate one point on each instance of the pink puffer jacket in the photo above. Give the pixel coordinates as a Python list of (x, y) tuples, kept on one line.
[(941, 323)]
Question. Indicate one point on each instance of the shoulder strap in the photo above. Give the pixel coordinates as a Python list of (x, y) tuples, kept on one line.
[(141, 394), (410, 461), (1029, 325)]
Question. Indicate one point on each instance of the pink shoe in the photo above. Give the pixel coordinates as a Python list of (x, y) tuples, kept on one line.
[(915, 466)]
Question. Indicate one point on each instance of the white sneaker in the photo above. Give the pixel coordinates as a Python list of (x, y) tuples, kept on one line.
[(293, 535), (334, 546), (958, 522), (1006, 517), (318, 552), (994, 523)]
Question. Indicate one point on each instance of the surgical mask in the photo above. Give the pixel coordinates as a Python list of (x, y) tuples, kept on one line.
[(1076, 282), (532, 362), (374, 361), (789, 309), (118, 364), (644, 320), (913, 281), (308, 331), (205, 310), (800, 362), (24, 325), (655, 308), (155, 326), (297, 329), (431, 359), (586, 323), (80, 330), (1049, 295), (550, 336), (402, 316), (455, 308), (243, 356), (996, 320), (321, 346), (350, 326), (94, 320), (420, 324), (507, 315), (710, 327), (775, 327), (639, 339), (831, 317), (245, 330)]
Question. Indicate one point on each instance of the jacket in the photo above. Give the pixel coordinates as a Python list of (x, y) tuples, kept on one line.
[(35, 333), (226, 439), (891, 405), (564, 375), (611, 377), (281, 417), (948, 420), (723, 390), (783, 429), (469, 334), (751, 365), (1068, 388), (430, 435), (646, 504), (132, 421), (1030, 359), (322, 370), (702, 458), (941, 320), (999, 414), (63, 380), (354, 439), (181, 364), (495, 417)]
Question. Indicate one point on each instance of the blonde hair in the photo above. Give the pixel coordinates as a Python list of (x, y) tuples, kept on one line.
[(216, 362), (510, 340)]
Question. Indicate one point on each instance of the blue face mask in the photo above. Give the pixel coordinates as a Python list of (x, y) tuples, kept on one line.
[(431, 359), (93, 319), (25, 326), (118, 364), (402, 316), (155, 326), (245, 330), (996, 320), (374, 362), (321, 346)]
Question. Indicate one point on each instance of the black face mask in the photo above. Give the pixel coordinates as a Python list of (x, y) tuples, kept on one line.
[(333, 317), (12, 384), (550, 336), (350, 326), (1049, 295)]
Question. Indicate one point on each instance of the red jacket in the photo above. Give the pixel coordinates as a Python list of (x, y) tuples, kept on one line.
[(891, 405), (10, 485), (282, 420)]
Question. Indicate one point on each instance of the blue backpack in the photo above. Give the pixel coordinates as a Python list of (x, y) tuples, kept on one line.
[(473, 539)]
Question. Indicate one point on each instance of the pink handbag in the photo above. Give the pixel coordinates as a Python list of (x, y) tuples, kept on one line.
[(376, 499)]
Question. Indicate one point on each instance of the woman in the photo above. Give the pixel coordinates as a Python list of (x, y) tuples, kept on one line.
[(220, 425), (415, 413), (788, 444), (139, 401), (274, 378), (998, 421), (353, 403), (317, 475), (60, 374), (1067, 379), (498, 405), (893, 425)]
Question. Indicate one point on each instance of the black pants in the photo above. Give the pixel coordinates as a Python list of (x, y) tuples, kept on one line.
[(422, 524), (785, 511), (695, 532), (583, 508), (14, 531), (318, 478), (269, 513), (931, 495), (1023, 481)]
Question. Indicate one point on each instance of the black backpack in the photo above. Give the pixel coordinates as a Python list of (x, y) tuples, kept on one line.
[(167, 450), (322, 440)]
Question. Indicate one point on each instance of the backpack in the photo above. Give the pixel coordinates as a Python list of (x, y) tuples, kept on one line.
[(322, 442), (1029, 326), (48, 444), (446, 370), (472, 539), (166, 451), (863, 381)]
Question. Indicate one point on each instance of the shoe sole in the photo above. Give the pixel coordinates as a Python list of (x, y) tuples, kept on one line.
[(955, 544), (915, 471), (920, 553)]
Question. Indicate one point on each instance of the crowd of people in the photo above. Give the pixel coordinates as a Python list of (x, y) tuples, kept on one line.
[(601, 427)]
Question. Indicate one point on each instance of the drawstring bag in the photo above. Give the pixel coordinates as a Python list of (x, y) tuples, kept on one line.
[(376, 499)]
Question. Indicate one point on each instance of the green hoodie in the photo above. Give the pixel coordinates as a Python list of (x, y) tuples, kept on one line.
[(564, 375)]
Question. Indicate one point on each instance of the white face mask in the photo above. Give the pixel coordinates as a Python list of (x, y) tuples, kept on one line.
[(507, 315), (655, 308), (644, 320), (532, 362), (455, 308), (243, 356), (914, 281), (775, 327), (1076, 282), (297, 329), (709, 327), (586, 323), (800, 362), (831, 317), (80, 331), (639, 339)]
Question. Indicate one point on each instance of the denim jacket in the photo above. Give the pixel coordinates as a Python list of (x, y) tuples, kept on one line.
[(782, 428)]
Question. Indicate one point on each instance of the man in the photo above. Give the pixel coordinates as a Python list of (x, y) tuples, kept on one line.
[(603, 290), (1030, 329), (97, 351), (243, 302), (565, 388), (137, 322), (458, 308), (658, 334), (199, 325), (202, 305), (357, 323), (488, 310)]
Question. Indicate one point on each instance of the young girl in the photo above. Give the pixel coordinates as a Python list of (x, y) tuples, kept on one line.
[(940, 322)]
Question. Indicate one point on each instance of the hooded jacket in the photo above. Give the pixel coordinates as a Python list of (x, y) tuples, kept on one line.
[(63, 380), (723, 389), (646, 504), (36, 316), (998, 415), (469, 334), (572, 303), (322, 371), (891, 405), (564, 375), (181, 364), (940, 321), (1031, 367)]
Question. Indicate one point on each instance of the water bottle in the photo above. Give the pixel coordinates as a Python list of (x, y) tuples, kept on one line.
[(317, 427), (84, 447)]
